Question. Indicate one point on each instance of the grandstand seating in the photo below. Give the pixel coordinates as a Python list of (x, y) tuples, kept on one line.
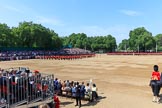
[(63, 54)]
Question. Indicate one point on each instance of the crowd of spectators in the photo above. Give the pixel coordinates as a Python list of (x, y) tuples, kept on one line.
[(18, 85), (70, 89), (20, 55), (21, 84), (76, 51)]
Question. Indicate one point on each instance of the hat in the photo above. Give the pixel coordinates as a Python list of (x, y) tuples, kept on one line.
[(36, 71)]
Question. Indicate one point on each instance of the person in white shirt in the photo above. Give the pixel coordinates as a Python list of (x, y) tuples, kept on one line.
[(88, 92), (94, 92)]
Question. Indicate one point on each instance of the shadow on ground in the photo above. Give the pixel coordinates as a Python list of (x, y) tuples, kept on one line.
[(94, 102), (66, 103), (160, 101)]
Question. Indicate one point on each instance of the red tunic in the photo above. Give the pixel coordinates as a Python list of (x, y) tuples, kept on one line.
[(156, 75), (57, 102)]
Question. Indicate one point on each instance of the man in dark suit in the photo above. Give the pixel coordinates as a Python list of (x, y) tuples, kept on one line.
[(78, 95)]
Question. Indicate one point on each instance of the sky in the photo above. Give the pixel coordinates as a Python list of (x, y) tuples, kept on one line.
[(92, 17)]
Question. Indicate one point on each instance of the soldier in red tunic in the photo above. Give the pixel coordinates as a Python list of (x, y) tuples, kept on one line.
[(57, 101)]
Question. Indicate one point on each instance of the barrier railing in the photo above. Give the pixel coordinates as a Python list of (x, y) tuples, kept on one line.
[(135, 53), (24, 88), (3, 92)]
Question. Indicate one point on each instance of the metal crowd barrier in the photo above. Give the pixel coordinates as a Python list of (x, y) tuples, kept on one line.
[(25, 88)]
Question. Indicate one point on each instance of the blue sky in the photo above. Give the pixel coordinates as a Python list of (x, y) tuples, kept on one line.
[(93, 17)]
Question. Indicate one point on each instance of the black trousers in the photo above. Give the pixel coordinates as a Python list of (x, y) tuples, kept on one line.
[(155, 89), (94, 95), (78, 100)]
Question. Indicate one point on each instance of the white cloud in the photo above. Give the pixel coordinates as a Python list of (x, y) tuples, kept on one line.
[(50, 21), (130, 12)]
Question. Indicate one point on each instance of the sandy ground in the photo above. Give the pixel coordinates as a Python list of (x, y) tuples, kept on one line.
[(122, 81)]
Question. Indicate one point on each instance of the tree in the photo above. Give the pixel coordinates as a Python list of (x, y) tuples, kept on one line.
[(34, 35), (141, 40), (158, 39), (6, 37), (124, 45), (56, 40), (110, 43)]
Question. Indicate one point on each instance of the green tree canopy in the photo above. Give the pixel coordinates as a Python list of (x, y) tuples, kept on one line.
[(6, 37), (30, 34), (141, 40)]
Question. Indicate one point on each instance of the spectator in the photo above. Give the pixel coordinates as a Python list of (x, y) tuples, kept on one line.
[(78, 95), (82, 90), (155, 84), (74, 90), (88, 92), (94, 92), (55, 83)]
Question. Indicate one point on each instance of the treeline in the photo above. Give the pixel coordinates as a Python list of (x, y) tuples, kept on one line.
[(141, 40), (32, 35), (28, 35), (80, 40)]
